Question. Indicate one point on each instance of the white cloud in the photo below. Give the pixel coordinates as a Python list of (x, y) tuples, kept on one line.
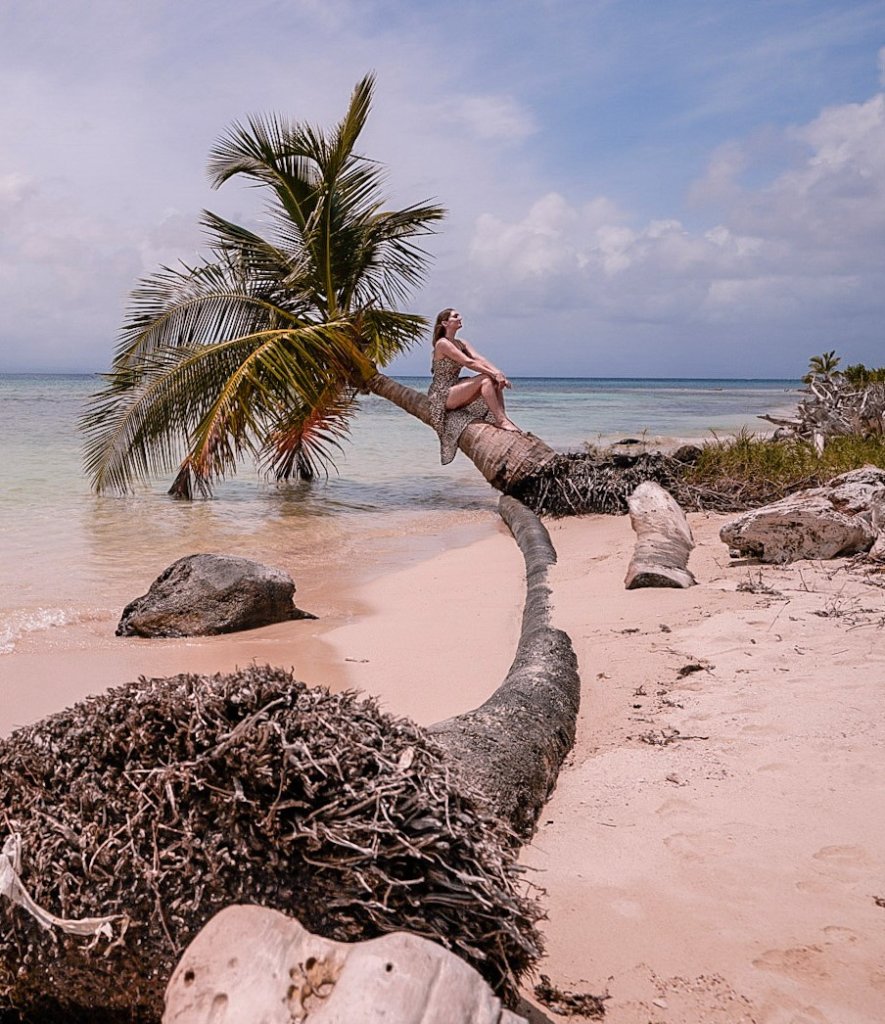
[(498, 118), (801, 254)]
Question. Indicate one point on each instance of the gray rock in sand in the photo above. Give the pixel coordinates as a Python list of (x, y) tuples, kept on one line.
[(201, 595)]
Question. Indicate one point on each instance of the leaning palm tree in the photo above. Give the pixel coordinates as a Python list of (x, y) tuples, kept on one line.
[(261, 349)]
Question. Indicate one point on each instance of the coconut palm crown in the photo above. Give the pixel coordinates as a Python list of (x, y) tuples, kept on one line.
[(260, 348)]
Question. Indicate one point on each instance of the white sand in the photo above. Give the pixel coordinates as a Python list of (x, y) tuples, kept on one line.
[(729, 875)]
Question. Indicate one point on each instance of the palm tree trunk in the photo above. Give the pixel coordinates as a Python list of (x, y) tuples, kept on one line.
[(502, 456), (511, 748)]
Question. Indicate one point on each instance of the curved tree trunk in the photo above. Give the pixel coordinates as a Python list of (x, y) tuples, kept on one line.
[(502, 456), (512, 747)]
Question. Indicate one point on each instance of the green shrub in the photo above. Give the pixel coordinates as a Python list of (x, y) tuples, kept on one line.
[(859, 374), (755, 469)]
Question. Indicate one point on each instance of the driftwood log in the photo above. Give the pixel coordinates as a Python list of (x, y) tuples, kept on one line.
[(511, 748), (834, 407), (663, 540), (823, 522), (253, 964), (877, 521)]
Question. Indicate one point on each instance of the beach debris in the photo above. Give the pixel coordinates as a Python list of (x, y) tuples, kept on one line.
[(822, 522), (570, 1004), (261, 964), (757, 585), (832, 407), (13, 889), (578, 483), (664, 737), (164, 800), (663, 540), (692, 667), (201, 595)]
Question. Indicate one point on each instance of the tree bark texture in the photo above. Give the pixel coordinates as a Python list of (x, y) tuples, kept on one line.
[(504, 457), (663, 540), (512, 747)]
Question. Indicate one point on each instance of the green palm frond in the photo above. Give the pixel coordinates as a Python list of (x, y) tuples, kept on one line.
[(210, 403), (258, 349)]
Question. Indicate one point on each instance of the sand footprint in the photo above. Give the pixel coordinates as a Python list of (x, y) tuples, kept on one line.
[(836, 933), (678, 808), (800, 962), (843, 862), (699, 845)]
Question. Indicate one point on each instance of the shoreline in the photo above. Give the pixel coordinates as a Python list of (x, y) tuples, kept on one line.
[(53, 668), (711, 851)]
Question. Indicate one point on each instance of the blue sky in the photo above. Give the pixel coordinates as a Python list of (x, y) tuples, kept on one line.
[(635, 188)]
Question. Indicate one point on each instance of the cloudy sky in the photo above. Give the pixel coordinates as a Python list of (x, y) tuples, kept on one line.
[(635, 188)]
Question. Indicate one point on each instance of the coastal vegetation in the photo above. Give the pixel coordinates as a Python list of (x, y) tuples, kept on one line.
[(749, 470), (826, 365)]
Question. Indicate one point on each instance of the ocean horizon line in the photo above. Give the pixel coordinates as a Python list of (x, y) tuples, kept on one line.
[(423, 376)]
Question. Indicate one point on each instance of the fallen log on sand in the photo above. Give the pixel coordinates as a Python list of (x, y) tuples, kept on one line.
[(663, 540), (256, 964)]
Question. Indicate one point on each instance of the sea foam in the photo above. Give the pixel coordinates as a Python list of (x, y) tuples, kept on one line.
[(14, 625)]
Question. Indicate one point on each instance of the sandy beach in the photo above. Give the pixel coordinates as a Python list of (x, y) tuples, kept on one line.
[(715, 848)]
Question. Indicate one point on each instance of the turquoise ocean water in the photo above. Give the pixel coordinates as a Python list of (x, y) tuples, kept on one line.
[(68, 557)]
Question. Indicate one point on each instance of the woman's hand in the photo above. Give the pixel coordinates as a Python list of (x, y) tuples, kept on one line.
[(502, 381)]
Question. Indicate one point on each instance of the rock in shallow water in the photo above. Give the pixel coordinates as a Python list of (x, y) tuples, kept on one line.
[(201, 595)]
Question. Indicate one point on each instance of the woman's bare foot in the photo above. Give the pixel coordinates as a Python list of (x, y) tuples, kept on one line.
[(508, 425)]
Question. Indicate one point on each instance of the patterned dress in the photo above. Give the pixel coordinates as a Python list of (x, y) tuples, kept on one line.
[(450, 423)]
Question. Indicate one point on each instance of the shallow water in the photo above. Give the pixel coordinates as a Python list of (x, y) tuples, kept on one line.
[(70, 560)]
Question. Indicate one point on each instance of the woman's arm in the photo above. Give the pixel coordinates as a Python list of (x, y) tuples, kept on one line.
[(482, 365), (471, 359)]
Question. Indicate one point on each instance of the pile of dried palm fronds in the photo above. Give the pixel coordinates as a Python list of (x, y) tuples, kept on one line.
[(166, 799), (578, 483), (835, 407)]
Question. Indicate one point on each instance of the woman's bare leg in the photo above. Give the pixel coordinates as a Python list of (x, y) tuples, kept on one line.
[(464, 392)]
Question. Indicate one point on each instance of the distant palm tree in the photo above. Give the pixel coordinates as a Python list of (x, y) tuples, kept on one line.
[(823, 365), (261, 349)]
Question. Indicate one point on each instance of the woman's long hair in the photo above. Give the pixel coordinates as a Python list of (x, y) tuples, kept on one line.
[(438, 329)]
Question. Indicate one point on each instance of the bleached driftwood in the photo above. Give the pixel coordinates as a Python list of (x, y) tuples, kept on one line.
[(251, 964), (834, 407), (663, 540), (823, 522), (877, 521)]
